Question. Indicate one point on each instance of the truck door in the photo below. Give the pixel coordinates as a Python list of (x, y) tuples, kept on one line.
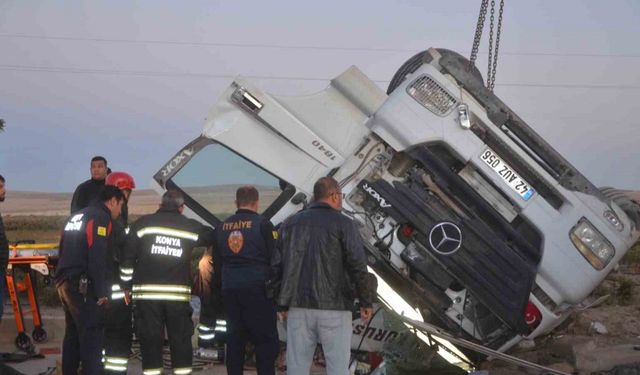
[(208, 174), (282, 145)]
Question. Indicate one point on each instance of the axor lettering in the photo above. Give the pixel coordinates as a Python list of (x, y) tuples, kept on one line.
[(375, 195), (186, 153)]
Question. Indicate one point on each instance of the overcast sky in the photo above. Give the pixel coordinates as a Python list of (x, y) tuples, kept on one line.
[(133, 81)]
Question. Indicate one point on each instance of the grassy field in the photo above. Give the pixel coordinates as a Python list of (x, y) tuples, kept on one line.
[(38, 228)]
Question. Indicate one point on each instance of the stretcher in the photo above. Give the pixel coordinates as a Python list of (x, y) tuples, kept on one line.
[(28, 257)]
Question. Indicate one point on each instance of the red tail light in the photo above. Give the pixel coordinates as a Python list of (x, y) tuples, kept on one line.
[(532, 316), (375, 360), (407, 230)]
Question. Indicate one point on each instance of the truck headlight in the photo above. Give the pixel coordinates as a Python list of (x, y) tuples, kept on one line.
[(592, 244)]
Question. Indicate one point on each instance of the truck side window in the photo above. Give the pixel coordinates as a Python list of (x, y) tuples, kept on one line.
[(212, 176)]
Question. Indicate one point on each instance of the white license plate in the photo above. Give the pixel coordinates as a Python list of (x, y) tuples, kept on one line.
[(507, 174)]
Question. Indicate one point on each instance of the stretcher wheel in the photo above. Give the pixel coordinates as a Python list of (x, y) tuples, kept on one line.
[(23, 342), (39, 334)]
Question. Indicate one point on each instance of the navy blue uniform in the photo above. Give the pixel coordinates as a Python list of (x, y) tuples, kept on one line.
[(83, 252), (157, 258), (244, 243), (118, 330)]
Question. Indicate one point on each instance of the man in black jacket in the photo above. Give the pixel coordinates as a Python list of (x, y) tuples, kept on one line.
[(88, 190), (158, 257), (4, 249), (317, 260), (81, 280)]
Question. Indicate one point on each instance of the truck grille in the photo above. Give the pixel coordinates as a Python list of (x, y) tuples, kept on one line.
[(426, 91)]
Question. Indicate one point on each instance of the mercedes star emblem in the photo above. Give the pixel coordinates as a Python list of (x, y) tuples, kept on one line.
[(445, 238)]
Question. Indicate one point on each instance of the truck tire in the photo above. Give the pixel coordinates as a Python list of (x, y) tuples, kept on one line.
[(407, 68), (624, 201), (416, 62)]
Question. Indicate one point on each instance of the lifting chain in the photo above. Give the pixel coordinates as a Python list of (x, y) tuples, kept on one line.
[(493, 52), (478, 36)]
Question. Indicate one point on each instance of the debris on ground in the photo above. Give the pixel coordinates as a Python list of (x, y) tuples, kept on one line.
[(598, 328), (603, 339)]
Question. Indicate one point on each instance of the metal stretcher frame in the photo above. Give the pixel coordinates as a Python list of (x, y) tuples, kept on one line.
[(27, 263)]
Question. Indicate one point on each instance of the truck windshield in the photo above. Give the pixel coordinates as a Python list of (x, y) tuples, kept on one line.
[(212, 176)]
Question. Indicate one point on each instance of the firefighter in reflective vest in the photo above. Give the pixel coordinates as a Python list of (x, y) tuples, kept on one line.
[(244, 244), (212, 327), (118, 325), (81, 280), (158, 257)]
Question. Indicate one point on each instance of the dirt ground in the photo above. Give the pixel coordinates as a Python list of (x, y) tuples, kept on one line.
[(619, 314)]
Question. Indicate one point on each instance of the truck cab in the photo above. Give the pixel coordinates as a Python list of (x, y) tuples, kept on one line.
[(466, 213)]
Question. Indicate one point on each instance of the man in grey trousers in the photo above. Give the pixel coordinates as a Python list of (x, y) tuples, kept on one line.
[(318, 262)]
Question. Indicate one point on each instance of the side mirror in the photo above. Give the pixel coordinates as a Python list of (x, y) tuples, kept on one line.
[(300, 197)]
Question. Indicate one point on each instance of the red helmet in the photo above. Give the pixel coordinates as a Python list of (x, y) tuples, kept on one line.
[(121, 180)]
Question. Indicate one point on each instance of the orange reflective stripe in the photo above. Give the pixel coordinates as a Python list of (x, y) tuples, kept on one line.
[(90, 233)]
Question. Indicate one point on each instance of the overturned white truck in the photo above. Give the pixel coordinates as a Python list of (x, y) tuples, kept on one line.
[(466, 213)]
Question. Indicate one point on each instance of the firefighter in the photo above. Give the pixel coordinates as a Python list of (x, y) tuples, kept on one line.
[(81, 281), (212, 326), (118, 325), (244, 243), (158, 257)]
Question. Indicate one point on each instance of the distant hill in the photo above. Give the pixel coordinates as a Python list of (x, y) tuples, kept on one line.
[(54, 204), (220, 199)]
